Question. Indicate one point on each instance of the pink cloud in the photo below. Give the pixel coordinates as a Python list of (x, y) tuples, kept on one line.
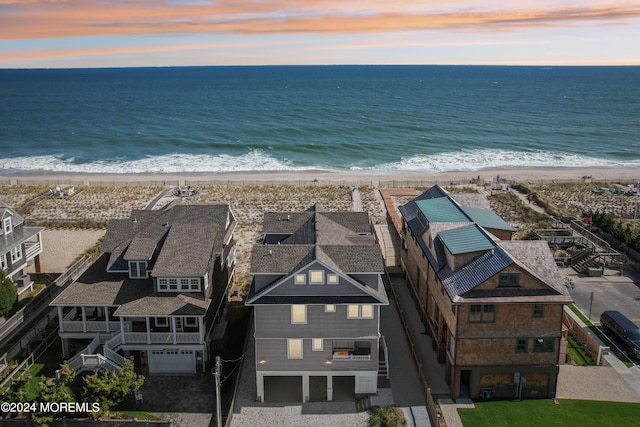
[(20, 19)]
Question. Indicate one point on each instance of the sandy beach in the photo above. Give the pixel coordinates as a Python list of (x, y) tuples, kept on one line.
[(8, 177), (103, 197)]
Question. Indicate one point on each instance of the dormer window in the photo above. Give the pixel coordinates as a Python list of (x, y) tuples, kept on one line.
[(7, 225), (138, 270)]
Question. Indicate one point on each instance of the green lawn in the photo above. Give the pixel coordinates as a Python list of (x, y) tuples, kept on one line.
[(546, 413)]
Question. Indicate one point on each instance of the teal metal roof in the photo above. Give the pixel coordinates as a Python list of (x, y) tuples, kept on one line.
[(441, 209), (465, 239), (487, 219)]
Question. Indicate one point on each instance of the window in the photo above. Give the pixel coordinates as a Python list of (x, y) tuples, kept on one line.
[(16, 254), (521, 346), (163, 284), (184, 284), (162, 321), (298, 313), (300, 279), (316, 277), (194, 284), (366, 311), (138, 269), (294, 348), (7, 225), (317, 344), (538, 310), (544, 345), (509, 280), (173, 284), (360, 311), (482, 314), (332, 279), (330, 308), (190, 321), (352, 311), (3, 262)]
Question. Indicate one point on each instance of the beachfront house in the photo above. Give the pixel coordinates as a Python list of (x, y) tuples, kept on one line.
[(316, 292), (20, 247), (492, 306), (156, 292)]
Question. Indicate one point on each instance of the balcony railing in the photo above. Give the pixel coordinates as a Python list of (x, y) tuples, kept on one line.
[(32, 249), (161, 337), (345, 355), (91, 326)]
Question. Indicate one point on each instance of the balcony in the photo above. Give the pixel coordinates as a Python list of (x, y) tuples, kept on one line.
[(161, 338), (358, 350), (346, 355)]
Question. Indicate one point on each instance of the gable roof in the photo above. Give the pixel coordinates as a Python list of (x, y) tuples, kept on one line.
[(448, 228), (341, 241), (183, 237)]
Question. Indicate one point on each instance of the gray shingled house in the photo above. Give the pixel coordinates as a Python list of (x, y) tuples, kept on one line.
[(316, 292), (155, 293), (492, 306), (19, 246)]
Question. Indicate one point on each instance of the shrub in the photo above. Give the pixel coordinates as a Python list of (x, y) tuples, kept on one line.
[(8, 294)]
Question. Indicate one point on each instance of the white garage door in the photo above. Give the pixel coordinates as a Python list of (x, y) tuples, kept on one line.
[(172, 361)]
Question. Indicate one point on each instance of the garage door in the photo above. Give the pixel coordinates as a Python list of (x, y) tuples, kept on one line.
[(172, 361)]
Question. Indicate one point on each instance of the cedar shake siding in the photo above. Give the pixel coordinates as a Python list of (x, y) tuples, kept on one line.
[(492, 306)]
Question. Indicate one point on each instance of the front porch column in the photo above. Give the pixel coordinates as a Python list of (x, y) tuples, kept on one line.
[(305, 388), (148, 329), (84, 319), (60, 317), (329, 388), (201, 329), (106, 318), (173, 328), (260, 387), (122, 328)]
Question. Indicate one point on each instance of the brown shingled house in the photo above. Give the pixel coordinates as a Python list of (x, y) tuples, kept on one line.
[(155, 293), (492, 307)]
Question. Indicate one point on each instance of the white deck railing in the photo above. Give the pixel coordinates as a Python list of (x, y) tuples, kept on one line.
[(351, 356)]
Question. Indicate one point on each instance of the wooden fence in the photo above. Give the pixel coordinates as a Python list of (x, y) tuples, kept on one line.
[(585, 336)]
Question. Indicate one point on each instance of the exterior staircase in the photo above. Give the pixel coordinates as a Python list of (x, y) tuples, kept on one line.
[(91, 360)]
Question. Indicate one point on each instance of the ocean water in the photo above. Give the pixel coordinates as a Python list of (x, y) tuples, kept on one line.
[(384, 119)]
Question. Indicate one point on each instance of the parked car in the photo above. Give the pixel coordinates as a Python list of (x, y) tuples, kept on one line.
[(617, 325)]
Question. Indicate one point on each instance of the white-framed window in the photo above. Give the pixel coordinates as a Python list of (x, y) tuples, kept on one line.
[(138, 270), (162, 321), (3, 262), (294, 348), (190, 321), (360, 311), (298, 313), (163, 284), (353, 311), (330, 308), (317, 344), (316, 277), (332, 279), (16, 254), (194, 284), (184, 284), (7, 225), (300, 279), (173, 284)]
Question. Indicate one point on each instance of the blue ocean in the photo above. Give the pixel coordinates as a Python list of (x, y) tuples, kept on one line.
[(375, 119)]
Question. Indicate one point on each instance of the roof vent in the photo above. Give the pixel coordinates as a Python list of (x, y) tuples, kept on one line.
[(166, 224), (270, 252), (288, 217), (493, 251), (134, 220)]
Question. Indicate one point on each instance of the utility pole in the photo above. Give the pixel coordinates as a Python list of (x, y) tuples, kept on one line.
[(218, 404)]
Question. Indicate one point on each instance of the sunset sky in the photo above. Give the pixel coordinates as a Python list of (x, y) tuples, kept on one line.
[(121, 33)]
